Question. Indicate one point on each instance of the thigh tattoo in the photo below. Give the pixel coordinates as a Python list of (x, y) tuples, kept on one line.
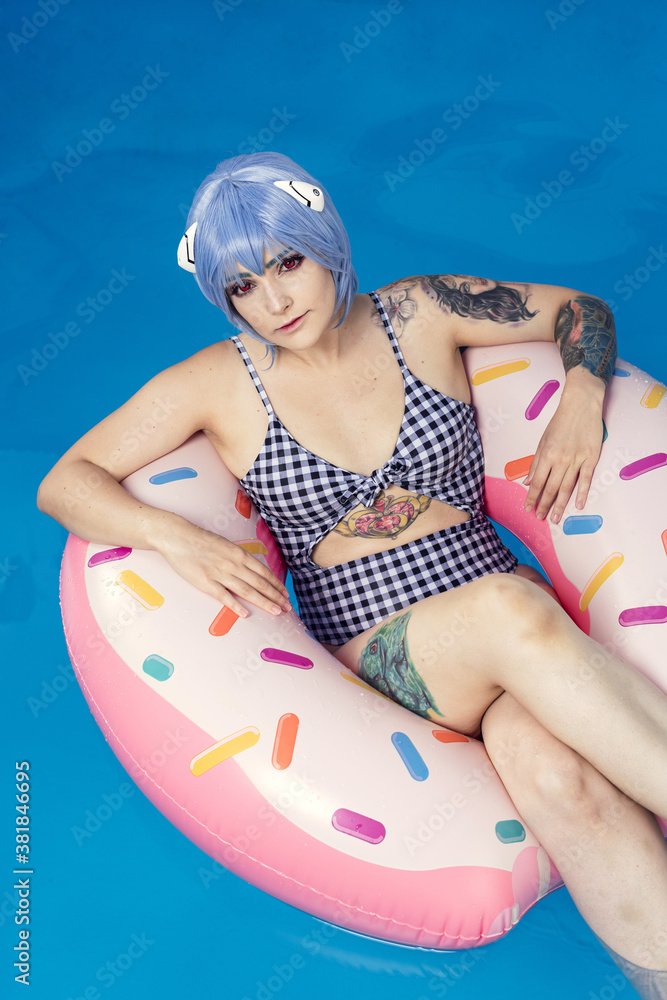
[(385, 663)]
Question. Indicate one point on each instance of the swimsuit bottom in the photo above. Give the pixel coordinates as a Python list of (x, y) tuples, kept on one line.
[(338, 602)]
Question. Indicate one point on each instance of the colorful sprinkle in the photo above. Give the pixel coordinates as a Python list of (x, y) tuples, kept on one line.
[(541, 398), (157, 667), (510, 831), (621, 373), (654, 614), (489, 372), (223, 621), (224, 749), (643, 465), (109, 555), (356, 825), (518, 468), (283, 745), (142, 592), (664, 540), (605, 432), (172, 475), (582, 524), (253, 546), (653, 395), (347, 676), (445, 736), (286, 658), (243, 504), (410, 756), (601, 574)]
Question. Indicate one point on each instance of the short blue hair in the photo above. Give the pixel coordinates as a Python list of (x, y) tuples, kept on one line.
[(240, 214)]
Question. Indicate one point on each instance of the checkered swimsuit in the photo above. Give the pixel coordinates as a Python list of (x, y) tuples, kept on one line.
[(302, 497)]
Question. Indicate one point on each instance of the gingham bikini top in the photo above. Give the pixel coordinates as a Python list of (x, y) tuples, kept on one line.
[(302, 496)]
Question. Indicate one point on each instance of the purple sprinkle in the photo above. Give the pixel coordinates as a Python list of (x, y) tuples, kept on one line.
[(286, 658), (654, 614), (108, 555), (359, 826), (643, 465), (541, 398)]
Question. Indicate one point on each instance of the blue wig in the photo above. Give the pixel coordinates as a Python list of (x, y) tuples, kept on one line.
[(240, 214)]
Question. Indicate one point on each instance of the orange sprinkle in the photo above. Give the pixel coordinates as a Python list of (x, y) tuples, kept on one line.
[(518, 468), (223, 621), (444, 736), (283, 746), (664, 540), (243, 503), (481, 375)]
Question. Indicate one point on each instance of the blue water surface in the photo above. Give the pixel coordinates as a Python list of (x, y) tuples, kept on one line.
[(514, 141)]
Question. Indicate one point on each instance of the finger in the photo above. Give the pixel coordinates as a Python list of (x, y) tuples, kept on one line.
[(564, 494), (269, 588), (241, 588), (585, 478), (539, 478)]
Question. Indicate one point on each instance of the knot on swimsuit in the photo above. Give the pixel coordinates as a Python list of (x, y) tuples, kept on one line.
[(367, 488)]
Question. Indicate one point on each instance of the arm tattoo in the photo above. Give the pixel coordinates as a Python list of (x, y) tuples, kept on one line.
[(500, 304), (388, 516), (385, 663), (399, 306), (586, 335)]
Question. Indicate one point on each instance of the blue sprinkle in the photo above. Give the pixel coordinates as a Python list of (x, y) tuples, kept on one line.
[(171, 476), (157, 667), (582, 524), (606, 432), (510, 831), (410, 756), (621, 373)]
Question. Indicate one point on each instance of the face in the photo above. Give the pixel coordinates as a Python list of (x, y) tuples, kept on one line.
[(291, 304)]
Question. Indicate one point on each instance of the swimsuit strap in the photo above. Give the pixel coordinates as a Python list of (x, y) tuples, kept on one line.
[(393, 339), (253, 373)]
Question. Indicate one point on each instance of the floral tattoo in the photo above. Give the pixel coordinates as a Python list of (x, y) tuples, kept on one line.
[(388, 516)]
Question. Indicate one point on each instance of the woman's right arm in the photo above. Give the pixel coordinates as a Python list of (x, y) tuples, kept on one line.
[(84, 494)]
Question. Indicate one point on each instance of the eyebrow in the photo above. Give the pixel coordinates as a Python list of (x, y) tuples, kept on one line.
[(274, 260)]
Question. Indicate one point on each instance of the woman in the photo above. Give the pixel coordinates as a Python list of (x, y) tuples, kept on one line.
[(385, 537)]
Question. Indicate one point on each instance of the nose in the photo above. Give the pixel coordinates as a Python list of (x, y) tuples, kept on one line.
[(276, 298)]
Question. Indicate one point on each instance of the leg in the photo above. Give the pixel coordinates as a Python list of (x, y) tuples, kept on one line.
[(609, 851), (461, 649)]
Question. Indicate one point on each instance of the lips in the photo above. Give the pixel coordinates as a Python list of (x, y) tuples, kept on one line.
[(291, 325)]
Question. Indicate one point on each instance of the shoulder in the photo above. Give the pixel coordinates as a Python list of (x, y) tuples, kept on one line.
[(425, 304)]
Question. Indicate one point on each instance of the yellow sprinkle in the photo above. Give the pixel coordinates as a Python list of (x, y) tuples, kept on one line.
[(481, 375), (253, 545), (601, 574), (224, 749), (653, 395), (147, 596), (362, 684)]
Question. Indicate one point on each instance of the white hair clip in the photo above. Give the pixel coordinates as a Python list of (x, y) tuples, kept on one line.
[(186, 249), (308, 195)]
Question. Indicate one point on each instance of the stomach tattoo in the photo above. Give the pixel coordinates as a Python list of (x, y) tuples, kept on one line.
[(388, 516)]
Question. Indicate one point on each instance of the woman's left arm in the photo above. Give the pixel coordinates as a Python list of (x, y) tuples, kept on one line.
[(484, 313)]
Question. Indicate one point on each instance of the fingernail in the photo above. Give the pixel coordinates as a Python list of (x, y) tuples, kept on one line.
[(275, 610), (580, 504), (528, 508), (539, 516), (555, 519), (287, 606)]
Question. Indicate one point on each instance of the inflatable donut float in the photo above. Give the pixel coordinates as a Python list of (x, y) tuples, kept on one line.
[(296, 775)]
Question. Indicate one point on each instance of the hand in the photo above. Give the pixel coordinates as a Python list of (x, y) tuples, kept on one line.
[(222, 569), (569, 449)]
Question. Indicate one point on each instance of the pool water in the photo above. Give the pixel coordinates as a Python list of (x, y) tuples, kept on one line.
[(518, 142)]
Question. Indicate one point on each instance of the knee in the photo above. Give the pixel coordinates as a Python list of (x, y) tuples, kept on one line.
[(514, 605)]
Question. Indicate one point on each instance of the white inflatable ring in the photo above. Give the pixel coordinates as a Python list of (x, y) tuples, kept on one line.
[(297, 776)]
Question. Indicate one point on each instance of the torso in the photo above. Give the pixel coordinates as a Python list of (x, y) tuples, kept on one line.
[(351, 414)]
